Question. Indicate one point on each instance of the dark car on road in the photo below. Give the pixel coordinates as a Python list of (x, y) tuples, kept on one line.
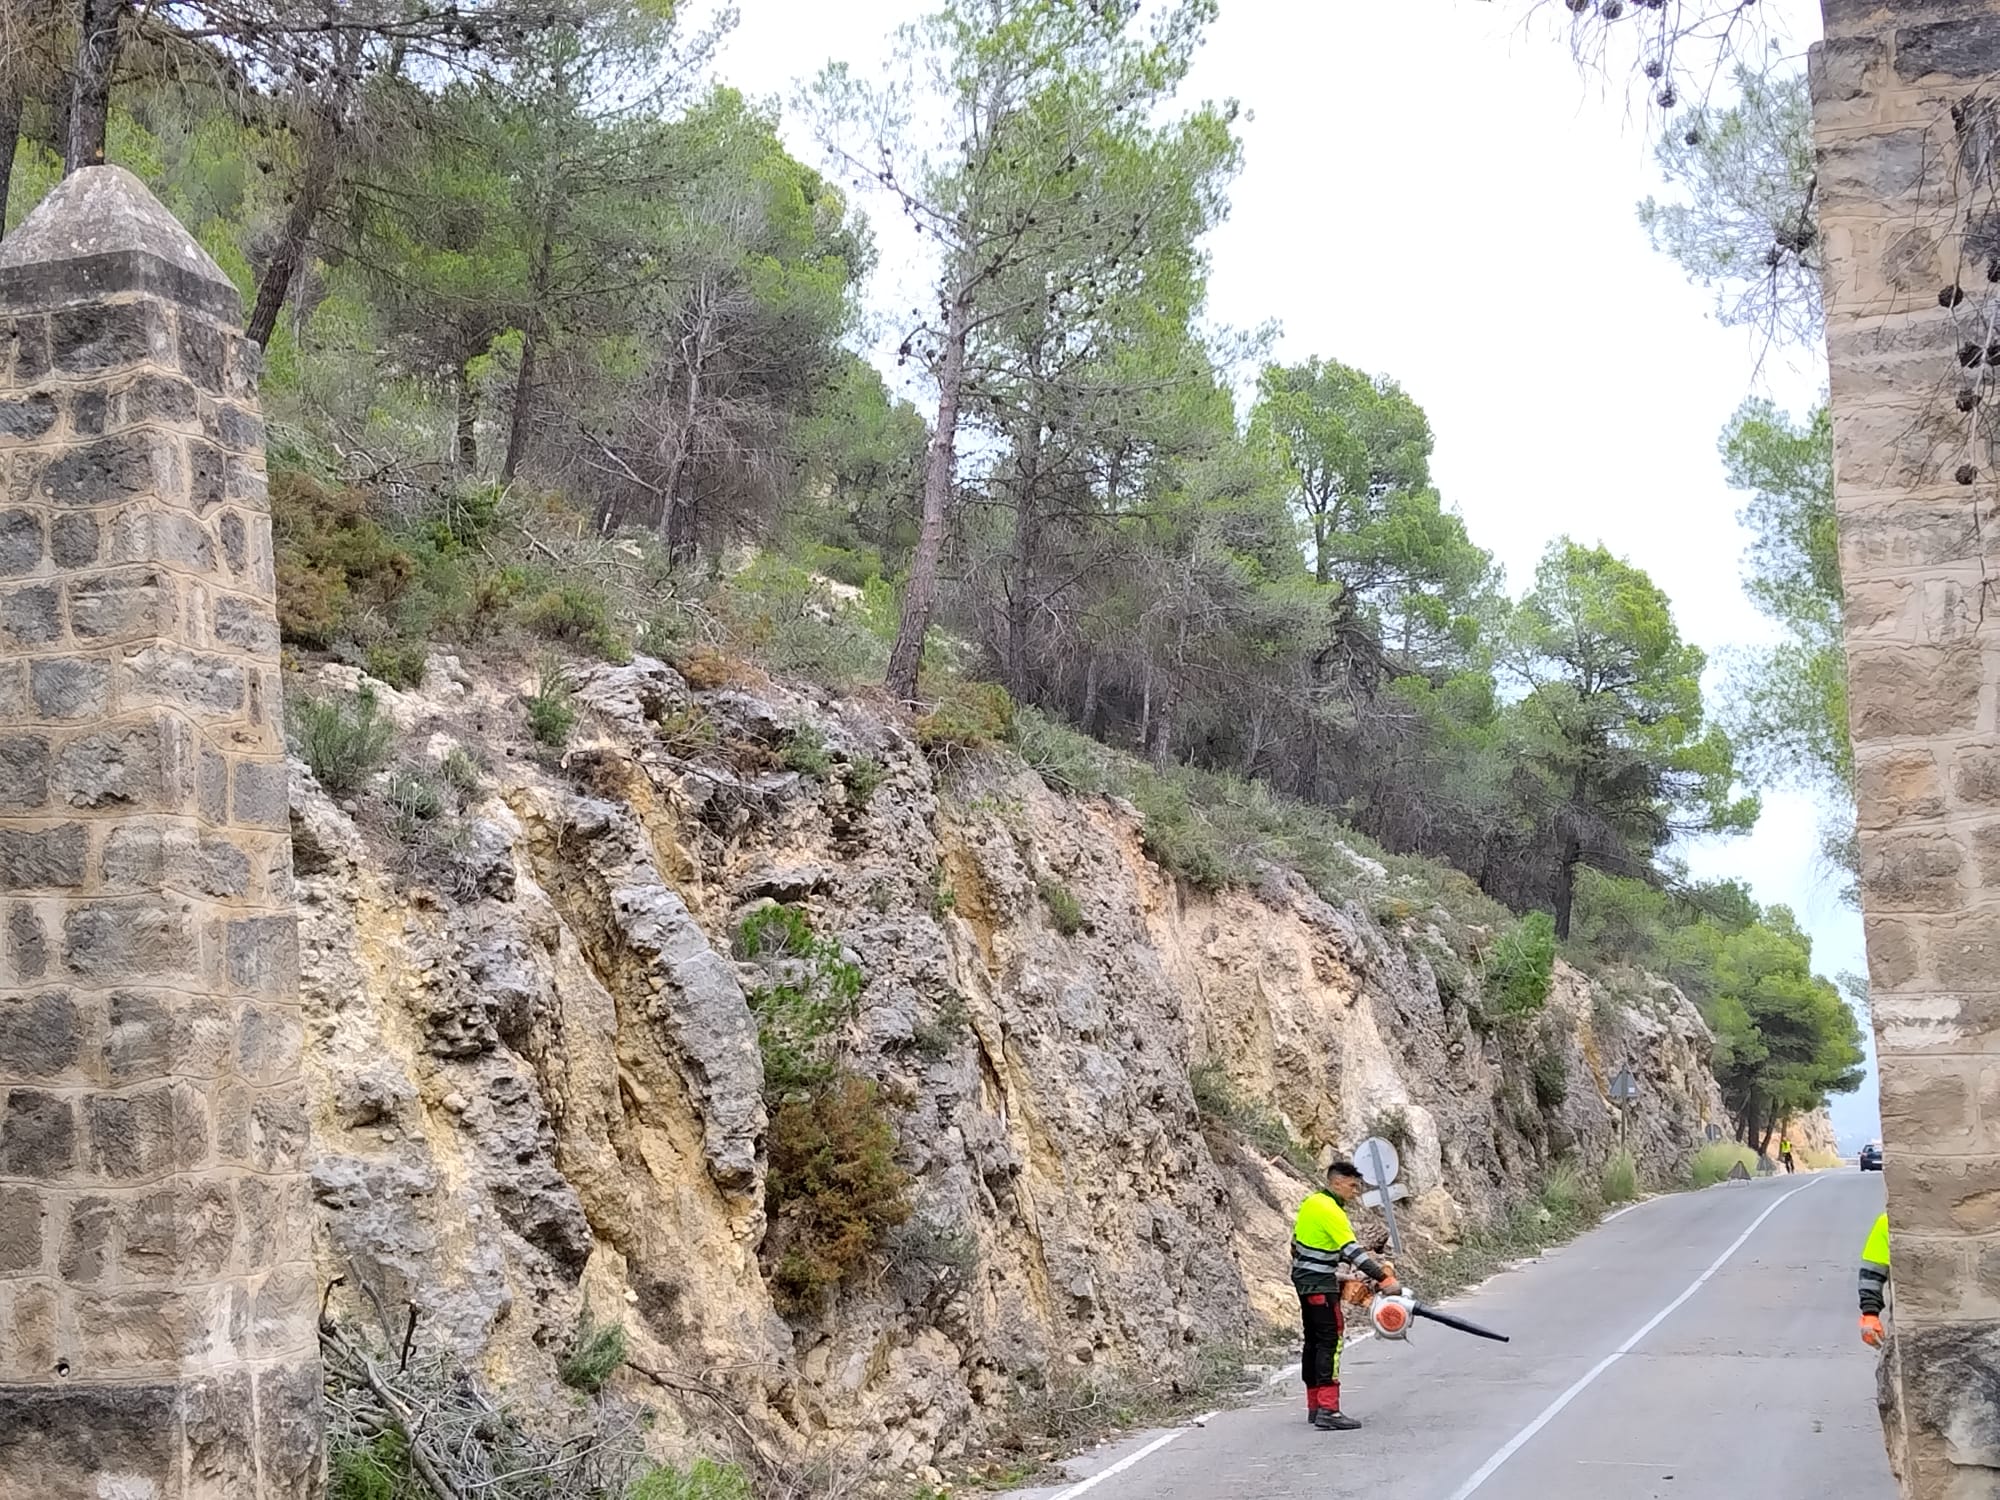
[(1871, 1157)]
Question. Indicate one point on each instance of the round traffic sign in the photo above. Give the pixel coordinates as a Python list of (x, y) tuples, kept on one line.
[(1378, 1161)]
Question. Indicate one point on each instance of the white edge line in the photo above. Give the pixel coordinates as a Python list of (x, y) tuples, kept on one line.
[(1084, 1485), (1520, 1439)]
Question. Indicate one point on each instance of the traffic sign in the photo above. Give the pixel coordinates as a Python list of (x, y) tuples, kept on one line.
[(1377, 1160), (1624, 1086), (1373, 1197)]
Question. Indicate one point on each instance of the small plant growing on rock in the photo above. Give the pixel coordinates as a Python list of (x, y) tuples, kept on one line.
[(813, 995), (1064, 909), (552, 710), (864, 775), (595, 1356), (834, 1189), (461, 772), (936, 1037), (1521, 968), (805, 752), (1551, 1079), (398, 663), (342, 742)]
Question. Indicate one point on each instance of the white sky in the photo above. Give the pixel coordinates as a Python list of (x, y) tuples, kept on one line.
[(1434, 191)]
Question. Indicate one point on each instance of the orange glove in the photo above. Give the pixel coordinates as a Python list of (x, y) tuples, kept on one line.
[(1871, 1331), (1389, 1286)]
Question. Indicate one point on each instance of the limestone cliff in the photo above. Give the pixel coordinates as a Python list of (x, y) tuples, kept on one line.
[(537, 1079)]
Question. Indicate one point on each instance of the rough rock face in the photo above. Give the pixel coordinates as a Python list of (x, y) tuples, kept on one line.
[(547, 1085)]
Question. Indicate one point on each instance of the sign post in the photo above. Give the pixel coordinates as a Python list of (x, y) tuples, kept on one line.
[(1624, 1088), (1377, 1161)]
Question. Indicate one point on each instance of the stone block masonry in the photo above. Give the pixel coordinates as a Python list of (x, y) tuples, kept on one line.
[(156, 1289), (1906, 106)]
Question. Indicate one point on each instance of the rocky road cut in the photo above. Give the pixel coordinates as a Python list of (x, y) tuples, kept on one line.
[(1700, 1345)]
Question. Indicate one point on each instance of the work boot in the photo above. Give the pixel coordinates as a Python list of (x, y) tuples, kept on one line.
[(1334, 1421)]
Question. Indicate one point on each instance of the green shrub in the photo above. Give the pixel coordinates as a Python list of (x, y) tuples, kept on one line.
[(378, 1469), (1393, 1125), (805, 752), (1620, 1179), (461, 772), (969, 716), (551, 711), (581, 616), (1064, 909), (334, 559), (400, 663), (595, 1356), (1179, 836), (1568, 1195), (1551, 1079), (703, 1480), (414, 799), (1520, 970), (938, 1036), (798, 1017), (1712, 1163), (864, 775), (834, 1189), (342, 742)]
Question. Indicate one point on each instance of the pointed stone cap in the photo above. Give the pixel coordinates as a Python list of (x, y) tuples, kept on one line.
[(99, 232)]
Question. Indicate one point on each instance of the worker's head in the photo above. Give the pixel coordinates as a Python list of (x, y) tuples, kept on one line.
[(1343, 1180)]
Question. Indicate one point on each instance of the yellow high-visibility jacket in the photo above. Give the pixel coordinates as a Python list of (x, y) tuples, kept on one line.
[(1875, 1267), (1322, 1242)]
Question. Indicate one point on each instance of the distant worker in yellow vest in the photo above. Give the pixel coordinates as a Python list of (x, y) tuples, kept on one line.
[(1785, 1154), (1324, 1253), (1874, 1282)]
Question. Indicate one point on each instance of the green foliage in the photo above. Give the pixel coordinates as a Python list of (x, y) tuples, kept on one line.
[(1520, 969), (1569, 1197), (969, 716), (834, 1190), (937, 1037), (398, 663), (1550, 1075), (415, 800), (864, 774), (580, 616), (1744, 222), (1611, 724), (805, 752), (703, 1480), (378, 1469), (812, 995), (1714, 1162), (1219, 1102), (595, 1355), (551, 707), (1619, 1182), (343, 742), (461, 772), (1064, 909), (336, 564)]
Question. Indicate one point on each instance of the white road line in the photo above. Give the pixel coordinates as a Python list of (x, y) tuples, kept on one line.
[(1520, 1439), (1123, 1465)]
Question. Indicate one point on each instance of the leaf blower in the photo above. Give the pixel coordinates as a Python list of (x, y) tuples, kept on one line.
[(1391, 1313)]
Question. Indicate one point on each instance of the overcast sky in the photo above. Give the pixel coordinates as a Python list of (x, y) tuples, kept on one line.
[(1435, 191)]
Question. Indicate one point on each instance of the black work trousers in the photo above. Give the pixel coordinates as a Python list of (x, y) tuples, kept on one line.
[(1325, 1328)]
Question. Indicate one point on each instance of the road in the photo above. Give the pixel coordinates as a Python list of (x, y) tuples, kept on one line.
[(1742, 1376)]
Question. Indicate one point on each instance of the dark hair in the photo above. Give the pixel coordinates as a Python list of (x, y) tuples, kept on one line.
[(1343, 1169)]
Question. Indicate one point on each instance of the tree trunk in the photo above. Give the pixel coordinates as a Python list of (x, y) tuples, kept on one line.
[(524, 380), (468, 421), (315, 187), (1088, 718), (10, 139), (1021, 566), (90, 94), (906, 657), (1566, 888)]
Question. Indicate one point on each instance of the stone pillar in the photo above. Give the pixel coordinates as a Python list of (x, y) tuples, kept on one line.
[(1906, 109), (156, 1287)]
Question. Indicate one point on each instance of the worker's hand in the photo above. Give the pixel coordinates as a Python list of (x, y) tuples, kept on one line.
[(1871, 1331), (1389, 1286)]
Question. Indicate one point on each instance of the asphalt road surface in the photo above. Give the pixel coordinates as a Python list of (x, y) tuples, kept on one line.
[(1701, 1345)]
